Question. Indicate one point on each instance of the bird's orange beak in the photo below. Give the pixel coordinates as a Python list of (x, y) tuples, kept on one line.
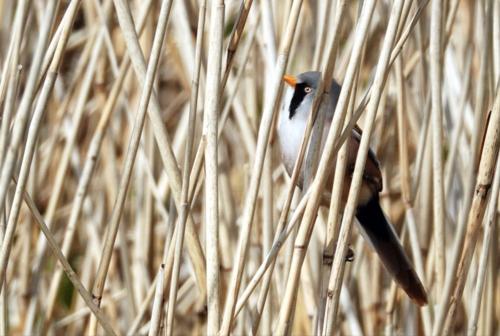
[(290, 80)]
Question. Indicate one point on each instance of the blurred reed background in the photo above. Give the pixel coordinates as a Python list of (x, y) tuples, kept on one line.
[(141, 188)]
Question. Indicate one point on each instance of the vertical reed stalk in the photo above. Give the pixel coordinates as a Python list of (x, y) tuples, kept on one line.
[(472, 173), (131, 153), (351, 205), (163, 141), (186, 169), (285, 318), (23, 112), (69, 110), (210, 130), (481, 194), (32, 139), (435, 53), (66, 266), (250, 200), (491, 216)]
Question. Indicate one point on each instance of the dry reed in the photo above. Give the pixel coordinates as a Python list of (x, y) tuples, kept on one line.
[(141, 185)]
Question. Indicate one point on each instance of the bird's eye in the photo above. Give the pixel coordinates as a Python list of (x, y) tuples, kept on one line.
[(307, 89)]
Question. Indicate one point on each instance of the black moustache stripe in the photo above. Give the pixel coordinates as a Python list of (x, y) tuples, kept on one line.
[(298, 97)]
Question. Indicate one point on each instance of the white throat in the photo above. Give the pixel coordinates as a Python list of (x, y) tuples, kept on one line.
[(290, 130)]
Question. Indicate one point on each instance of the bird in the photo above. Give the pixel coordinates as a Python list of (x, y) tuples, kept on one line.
[(375, 227)]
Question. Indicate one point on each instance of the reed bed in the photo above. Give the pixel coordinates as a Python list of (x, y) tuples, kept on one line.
[(141, 184)]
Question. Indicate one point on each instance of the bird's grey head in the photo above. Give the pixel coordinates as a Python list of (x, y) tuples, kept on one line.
[(309, 78), (304, 88)]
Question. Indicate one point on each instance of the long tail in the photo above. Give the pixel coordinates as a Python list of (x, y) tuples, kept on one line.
[(386, 243)]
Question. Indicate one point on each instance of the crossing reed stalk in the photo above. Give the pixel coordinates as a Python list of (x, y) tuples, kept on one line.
[(142, 184)]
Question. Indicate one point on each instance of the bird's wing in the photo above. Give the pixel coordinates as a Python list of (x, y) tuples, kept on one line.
[(372, 174), (358, 129)]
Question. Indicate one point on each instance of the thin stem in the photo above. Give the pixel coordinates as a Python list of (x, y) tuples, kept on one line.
[(210, 130), (131, 153), (250, 200)]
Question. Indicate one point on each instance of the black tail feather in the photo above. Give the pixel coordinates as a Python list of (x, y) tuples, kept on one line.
[(386, 243)]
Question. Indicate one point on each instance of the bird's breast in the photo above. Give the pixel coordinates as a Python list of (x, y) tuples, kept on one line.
[(290, 134)]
